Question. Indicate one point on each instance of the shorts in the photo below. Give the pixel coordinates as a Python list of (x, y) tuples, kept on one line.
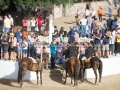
[(24, 51), (15, 49), (5, 49), (105, 47), (5, 30), (97, 47), (20, 51)]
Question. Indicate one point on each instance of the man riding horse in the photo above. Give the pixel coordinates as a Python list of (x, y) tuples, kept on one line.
[(33, 53), (88, 53), (72, 51)]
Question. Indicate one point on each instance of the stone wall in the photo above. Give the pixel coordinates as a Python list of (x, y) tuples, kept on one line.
[(71, 9)]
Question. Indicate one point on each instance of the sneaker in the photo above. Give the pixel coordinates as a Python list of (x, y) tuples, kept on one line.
[(103, 56), (107, 57)]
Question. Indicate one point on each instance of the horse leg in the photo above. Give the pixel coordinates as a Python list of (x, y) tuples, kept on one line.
[(37, 77), (66, 75), (41, 76), (21, 82), (95, 72), (72, 78)]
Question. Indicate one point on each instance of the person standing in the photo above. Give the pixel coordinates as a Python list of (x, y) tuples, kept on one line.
[(83, 22), (53, 54), (1, 23), (100, 13), (89, 20), (108, 23), (12, 22), (32, 24), (7, 24), (110, 9), (39, 23), (25, 23)]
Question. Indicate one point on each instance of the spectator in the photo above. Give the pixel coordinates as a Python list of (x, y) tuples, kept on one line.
[(1, 23), (12, 21), (13, 48), (108, 23), (97, 43), (47, 23), (39, 23), (105, 45), (19, 49), (76, 36), (89, 21), (61, 34), (25, 33), (94, 25), (33, 24), (117, 46), (115, 12), (114, 24), (24, 48), (100, 13), (55, 34), (93, 12), (18, 35), (5, 45), (7, 24), (110, 9), (53, 54), (71, 34), (25, 23), (83, 22)]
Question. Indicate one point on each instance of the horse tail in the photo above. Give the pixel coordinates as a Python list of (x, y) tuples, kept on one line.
[(19, 72), (76, 69), (100, 69)]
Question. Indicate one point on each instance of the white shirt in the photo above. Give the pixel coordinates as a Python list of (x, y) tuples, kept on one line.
[(32, 23), (86, 12), (11, 19), (93, 13), (83, 21)]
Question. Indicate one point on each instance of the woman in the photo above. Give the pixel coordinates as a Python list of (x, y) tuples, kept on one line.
[(39, 23), (19, 49), (117, 44), (24, 23), (32, 24), (61, 34)]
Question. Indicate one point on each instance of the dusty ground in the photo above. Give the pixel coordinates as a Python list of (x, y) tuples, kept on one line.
[(108, 83)]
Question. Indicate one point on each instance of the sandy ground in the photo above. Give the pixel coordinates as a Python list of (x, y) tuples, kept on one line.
[(108, 83)]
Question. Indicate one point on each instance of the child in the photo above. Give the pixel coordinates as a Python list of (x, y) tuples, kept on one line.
[(19, 49), (45, 57)]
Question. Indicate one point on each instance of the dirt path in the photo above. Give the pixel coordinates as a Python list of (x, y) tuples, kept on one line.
[(108, 83)]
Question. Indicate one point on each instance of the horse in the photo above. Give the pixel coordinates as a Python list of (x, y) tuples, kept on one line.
[(27, 64), (72, 65), (94, 63)]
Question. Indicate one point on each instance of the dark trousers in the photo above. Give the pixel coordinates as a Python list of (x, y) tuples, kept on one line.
[(53, 60), (71, 40), (33, 29), (100, 18), (39, 28)]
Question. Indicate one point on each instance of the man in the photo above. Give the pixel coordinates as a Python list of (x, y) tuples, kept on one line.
[(33, 53), (71, 34), (53, 53), (11, 19), (108, 23), (7, 24), (83, 22), (88, 53), (89, 20)]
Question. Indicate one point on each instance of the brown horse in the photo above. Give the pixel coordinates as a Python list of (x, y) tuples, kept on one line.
[(27, 64), (72, 65), (95, 63)]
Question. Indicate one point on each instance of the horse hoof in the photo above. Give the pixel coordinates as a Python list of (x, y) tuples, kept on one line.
[(21, 86)]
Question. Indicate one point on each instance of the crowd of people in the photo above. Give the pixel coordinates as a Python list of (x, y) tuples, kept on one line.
[(22, 43)]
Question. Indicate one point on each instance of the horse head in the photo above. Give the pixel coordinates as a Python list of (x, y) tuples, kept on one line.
[(64, 52)]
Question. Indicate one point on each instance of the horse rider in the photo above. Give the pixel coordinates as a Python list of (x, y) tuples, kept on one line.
[(72, 51), (33, 53), (89, 52)]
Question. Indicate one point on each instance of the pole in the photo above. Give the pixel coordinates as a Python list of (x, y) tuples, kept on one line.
[(50, 28)]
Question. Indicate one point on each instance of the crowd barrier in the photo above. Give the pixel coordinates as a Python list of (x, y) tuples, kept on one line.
[(9, 69)]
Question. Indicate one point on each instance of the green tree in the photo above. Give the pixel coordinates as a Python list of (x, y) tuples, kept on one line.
[(4, 4)]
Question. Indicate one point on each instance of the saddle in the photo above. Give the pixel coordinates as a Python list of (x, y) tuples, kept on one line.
[(88, 59), (33, 60)]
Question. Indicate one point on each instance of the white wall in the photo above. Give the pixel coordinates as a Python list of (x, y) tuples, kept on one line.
[(9, 69)]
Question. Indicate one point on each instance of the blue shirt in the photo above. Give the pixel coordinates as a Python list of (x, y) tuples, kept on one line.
[(71, 32), (18, 36), (53, 48), (97, 41)]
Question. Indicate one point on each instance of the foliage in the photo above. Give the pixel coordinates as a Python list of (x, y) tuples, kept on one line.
[(32, 4)]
